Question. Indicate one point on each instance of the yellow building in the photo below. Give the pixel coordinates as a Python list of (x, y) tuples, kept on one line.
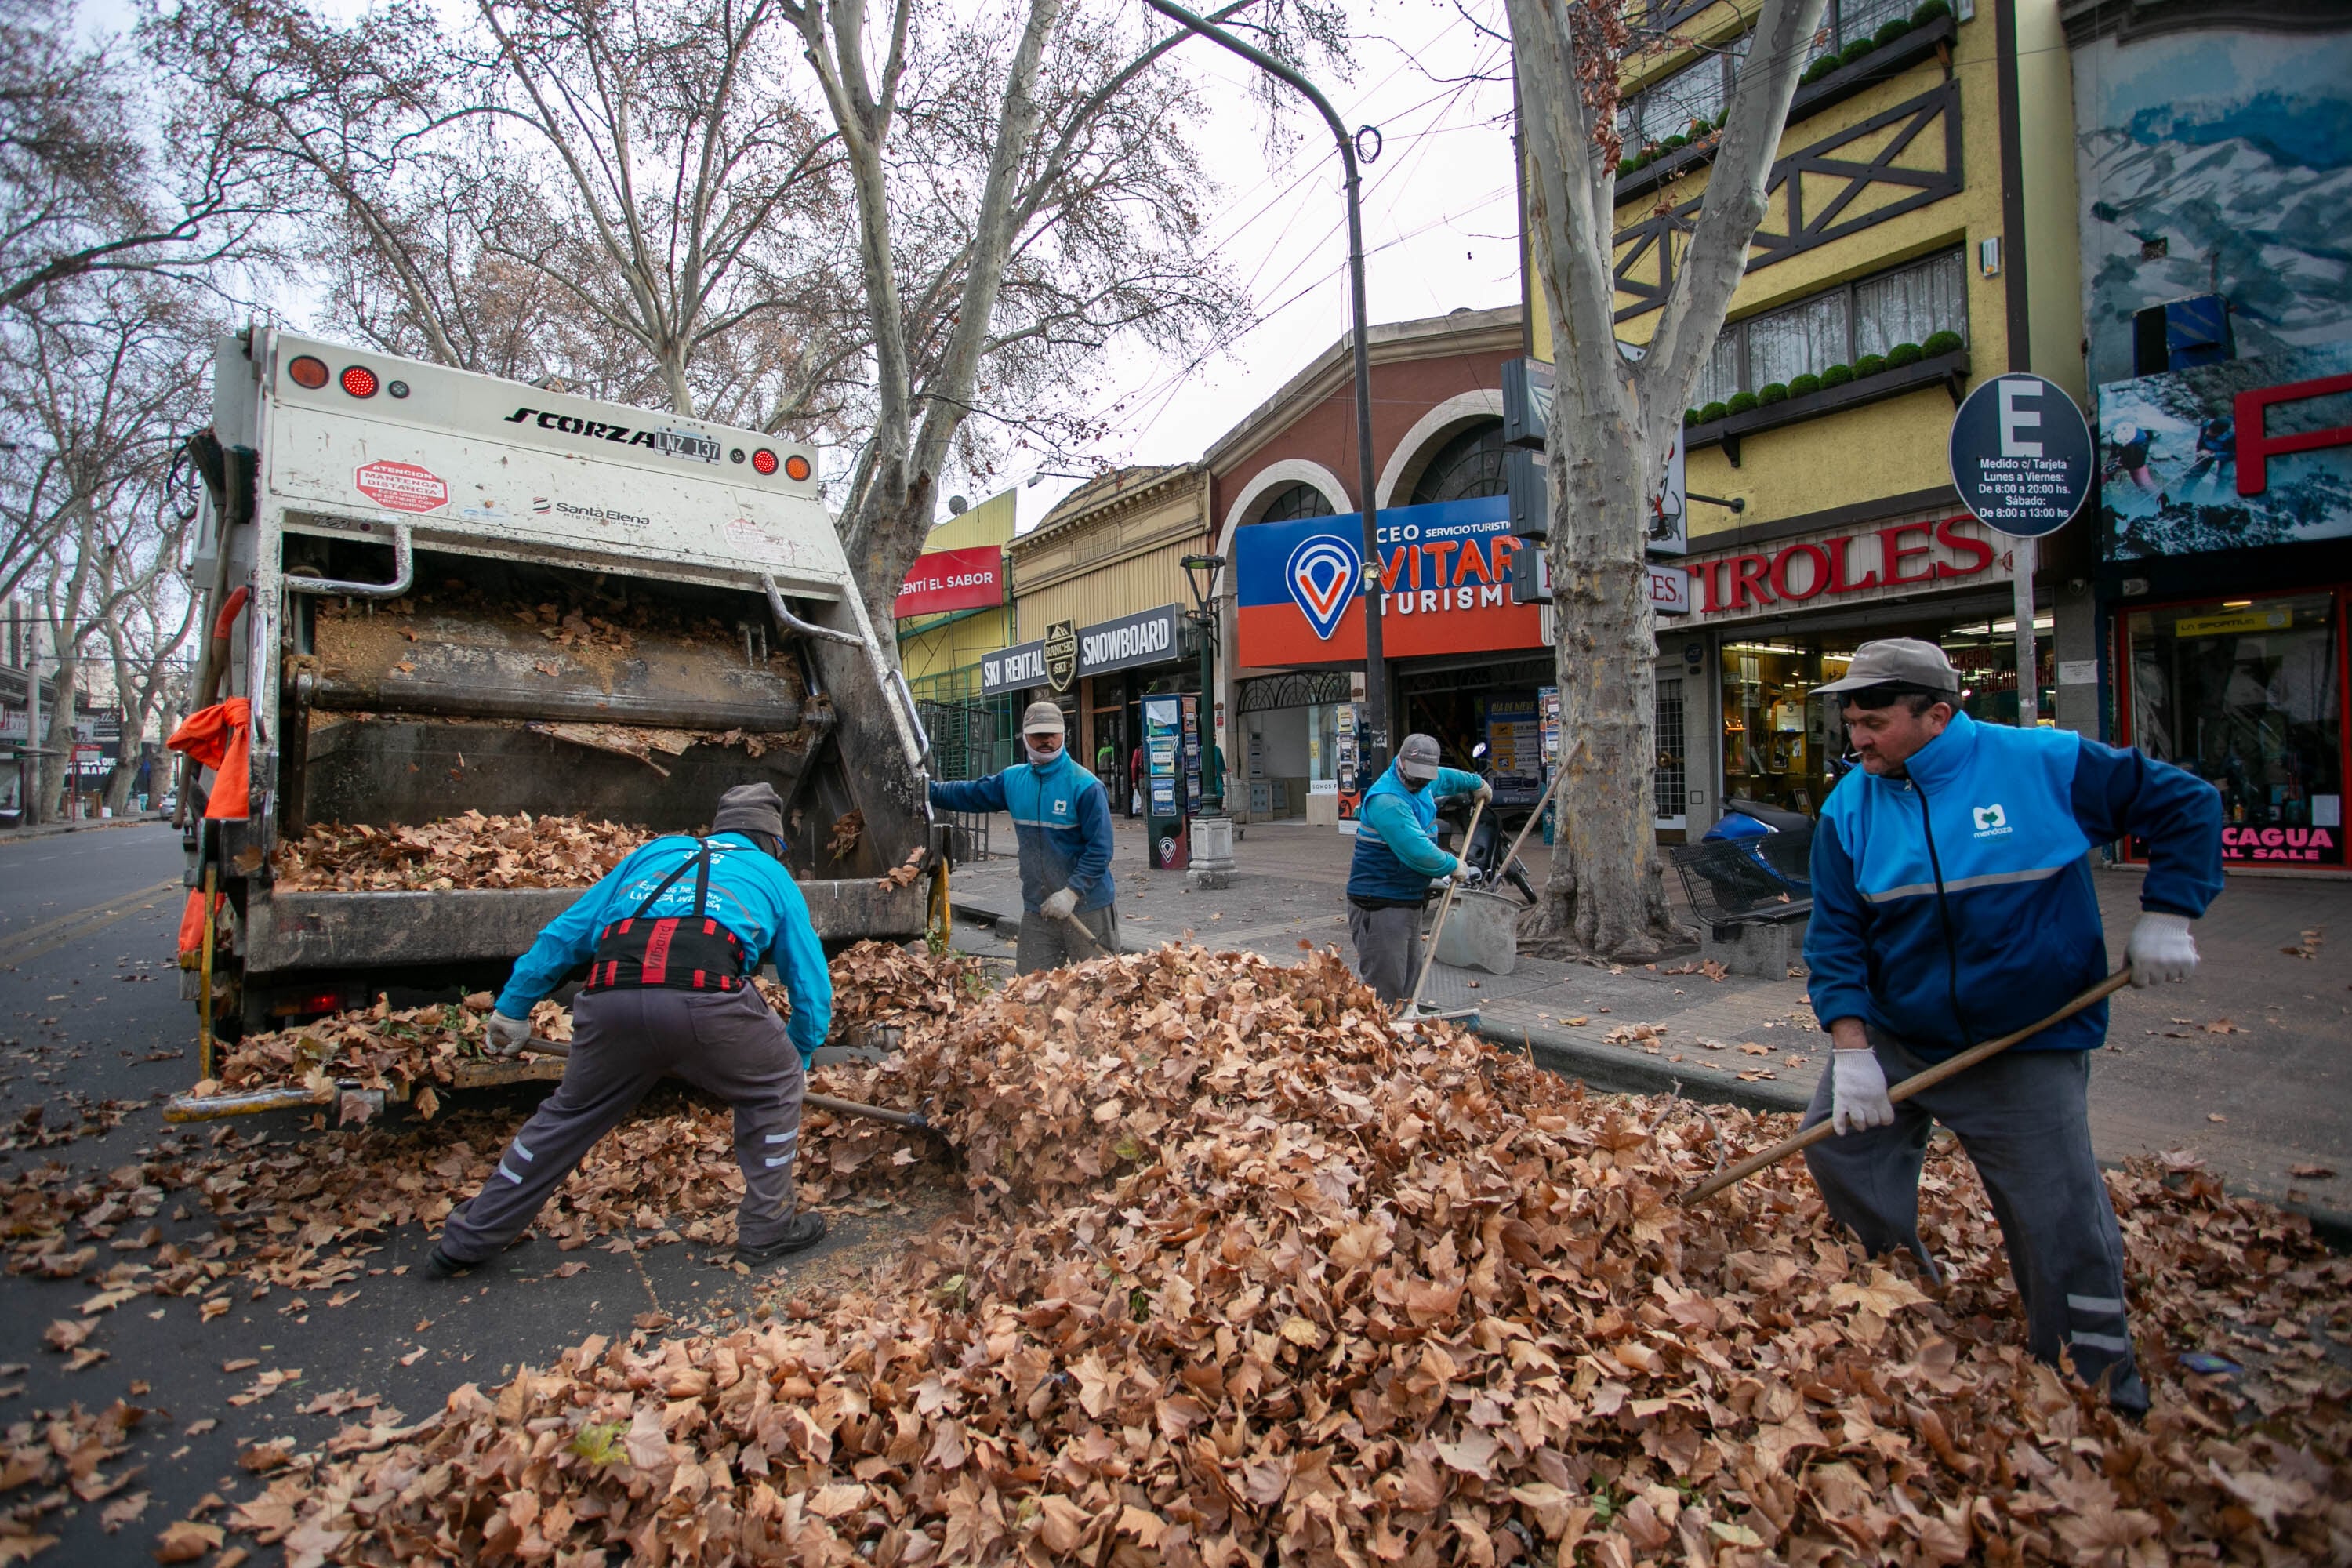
[(972, 734), (1920, 234)]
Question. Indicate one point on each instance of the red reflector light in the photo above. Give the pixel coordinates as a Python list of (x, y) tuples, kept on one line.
[(764, 460), (359, 381), (317, 1001), (308, 370), (796, 466)]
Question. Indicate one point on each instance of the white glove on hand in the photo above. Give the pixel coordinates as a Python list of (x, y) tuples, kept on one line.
[(1485, 791), (1061, 905), (506, 1035), (2161, 949), (1460, 872), (1859, 1087)]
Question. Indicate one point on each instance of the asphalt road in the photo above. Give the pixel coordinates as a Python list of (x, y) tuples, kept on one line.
[(97, 1017)]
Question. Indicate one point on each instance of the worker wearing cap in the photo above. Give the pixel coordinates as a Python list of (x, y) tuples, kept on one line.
[(1397, 858), (1061, 818), (1953, 904), (672, 938)]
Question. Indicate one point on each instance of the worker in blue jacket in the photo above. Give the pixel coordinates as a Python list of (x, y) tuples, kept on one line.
[(671, 938), (1397, 858), (1952, 904), (1061, 819)]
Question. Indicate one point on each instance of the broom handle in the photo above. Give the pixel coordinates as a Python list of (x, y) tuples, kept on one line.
[(1910, 1085), (1559, 773), (538, 1047), (1445, 908)]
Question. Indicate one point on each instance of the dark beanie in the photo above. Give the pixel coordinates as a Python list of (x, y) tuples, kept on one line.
[(750, 808)]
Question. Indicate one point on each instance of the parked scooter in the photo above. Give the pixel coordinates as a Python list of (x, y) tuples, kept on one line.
[(1498, 827), (1776, 859)]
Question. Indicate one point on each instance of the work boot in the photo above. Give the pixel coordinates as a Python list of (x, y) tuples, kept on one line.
[(439, 1265), (802, 1231)]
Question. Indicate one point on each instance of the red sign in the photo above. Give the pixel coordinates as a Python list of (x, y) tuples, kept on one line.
[(1901, 556), (945, 580), (403, 487), (2257, 445)]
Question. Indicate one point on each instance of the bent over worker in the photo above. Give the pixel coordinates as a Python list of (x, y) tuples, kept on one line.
[(672, 937), (1952, 904), (1396, 859), (1061, 819)]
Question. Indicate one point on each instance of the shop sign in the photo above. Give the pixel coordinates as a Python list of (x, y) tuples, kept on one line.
[(12, 724), (1061, 654), (2283, 846), (2221, 457), (1017, 668), (1146, 637), (1898, 560), (944, 581), (2020, 454), (1445, 577)]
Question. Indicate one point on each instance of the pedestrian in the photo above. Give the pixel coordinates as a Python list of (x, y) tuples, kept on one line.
[(1135, 780), (672, 938), (1106, 764), (1396, 859), (1061, 818), (1952, 904)]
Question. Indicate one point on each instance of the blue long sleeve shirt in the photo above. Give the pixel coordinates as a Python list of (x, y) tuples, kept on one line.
[(1061, 819), (1396, 852), (751, 895), (1955, 904)]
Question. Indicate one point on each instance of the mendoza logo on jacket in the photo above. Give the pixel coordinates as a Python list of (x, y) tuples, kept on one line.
[(1992, 822)]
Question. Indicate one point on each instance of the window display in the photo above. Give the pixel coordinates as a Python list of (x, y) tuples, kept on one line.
[(2247, 694)]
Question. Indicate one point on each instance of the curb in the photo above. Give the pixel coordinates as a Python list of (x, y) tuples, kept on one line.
[(1614, 1071), (51, 829)]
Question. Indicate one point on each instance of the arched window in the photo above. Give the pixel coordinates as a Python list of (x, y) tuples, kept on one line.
[(1293, 502), (1468, 466)]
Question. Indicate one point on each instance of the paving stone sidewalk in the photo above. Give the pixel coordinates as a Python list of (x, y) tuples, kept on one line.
[(2249, 1065)]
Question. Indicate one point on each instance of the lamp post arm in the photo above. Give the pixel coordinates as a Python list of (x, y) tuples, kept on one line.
[(1376, 701)]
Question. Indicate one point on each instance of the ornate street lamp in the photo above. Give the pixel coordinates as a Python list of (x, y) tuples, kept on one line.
[(1202, 570)]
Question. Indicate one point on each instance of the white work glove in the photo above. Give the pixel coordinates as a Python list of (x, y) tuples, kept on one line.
[(2161, 949), (506, 1035), (1485, 792), (1061, 905), (1859, 1087), (1460, 872)]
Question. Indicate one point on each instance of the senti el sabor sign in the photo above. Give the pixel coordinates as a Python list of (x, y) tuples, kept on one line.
[(1844, 567), (1068, 653)]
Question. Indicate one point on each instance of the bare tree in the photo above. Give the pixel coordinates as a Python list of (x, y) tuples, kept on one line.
[(1614, 422), (1023, 202), (83, 189)]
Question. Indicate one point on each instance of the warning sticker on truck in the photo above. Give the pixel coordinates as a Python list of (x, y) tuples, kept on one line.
[(404, 487)]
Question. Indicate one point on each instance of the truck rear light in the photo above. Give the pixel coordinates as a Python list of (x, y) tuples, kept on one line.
[(317, 1001), (764, 460), (796, 466), (359, 381), (308, 370)]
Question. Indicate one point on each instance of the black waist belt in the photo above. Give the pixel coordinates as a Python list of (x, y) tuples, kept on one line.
[(684, 952)]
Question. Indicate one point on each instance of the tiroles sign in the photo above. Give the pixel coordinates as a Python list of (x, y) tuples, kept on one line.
[(943, 581), (1900, 559), (1445, 575), (1067, 654)]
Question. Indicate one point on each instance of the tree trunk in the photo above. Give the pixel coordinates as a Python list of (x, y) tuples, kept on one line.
[(59, 773)]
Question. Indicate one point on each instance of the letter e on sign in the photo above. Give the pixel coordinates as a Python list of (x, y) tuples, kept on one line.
[(2021, 456)]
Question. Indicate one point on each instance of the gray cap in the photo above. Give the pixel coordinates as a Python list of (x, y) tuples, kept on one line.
[(1042, 718), (750, 808), (1417, 758), (1891, 661)]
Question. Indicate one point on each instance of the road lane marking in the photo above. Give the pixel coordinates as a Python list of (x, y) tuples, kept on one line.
[(50, 935)]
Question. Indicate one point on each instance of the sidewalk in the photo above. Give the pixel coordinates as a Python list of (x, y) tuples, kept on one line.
[(2249, 1065)]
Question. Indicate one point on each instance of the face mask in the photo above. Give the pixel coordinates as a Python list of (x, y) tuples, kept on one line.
[(1041, 760)]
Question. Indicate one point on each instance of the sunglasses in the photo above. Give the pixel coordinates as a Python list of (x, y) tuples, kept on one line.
[(1873, 698)]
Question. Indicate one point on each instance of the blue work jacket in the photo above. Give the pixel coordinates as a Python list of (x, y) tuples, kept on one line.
[(1061, 818), (1396, 856)]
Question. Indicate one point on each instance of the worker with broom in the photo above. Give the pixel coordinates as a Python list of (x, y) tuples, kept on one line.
[(671, 937), (1397, 858), (1061, 819), (1953, 903)]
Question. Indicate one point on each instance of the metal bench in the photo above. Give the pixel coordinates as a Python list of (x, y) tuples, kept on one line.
[(1728, 890)]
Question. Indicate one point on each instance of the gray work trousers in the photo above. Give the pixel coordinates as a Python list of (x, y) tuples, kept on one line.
[(1388, 948), (727, 1042), (1045, 942), (2024, 1118)]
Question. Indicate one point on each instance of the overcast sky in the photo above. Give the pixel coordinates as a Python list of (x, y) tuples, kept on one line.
[(1440, 221)]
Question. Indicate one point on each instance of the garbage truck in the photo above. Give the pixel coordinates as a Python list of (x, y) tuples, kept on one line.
[(437, 591)]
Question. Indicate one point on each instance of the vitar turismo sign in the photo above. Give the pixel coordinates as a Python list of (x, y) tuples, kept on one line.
[(1446, 586), (943, 581)]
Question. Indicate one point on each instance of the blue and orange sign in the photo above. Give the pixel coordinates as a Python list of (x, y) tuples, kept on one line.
[(1446, 586)]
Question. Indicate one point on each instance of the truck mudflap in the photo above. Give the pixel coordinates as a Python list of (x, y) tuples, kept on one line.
[(314, 930)]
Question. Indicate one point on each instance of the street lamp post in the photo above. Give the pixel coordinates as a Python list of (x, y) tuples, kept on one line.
[(1213, 830), (1374, 738)]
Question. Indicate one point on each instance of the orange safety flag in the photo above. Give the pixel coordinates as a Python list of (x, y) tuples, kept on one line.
[(191, 922), (217, 737)]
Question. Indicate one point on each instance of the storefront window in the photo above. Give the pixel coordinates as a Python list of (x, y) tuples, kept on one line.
[(2245, 694), (1781, 745)]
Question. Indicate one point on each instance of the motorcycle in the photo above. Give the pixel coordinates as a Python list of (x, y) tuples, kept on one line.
[(1775, 861), (1498, 827)]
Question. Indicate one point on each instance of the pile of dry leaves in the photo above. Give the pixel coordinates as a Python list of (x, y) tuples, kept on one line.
[(406, 1050), (466, 851), (885, 984), (1246, 1278)]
